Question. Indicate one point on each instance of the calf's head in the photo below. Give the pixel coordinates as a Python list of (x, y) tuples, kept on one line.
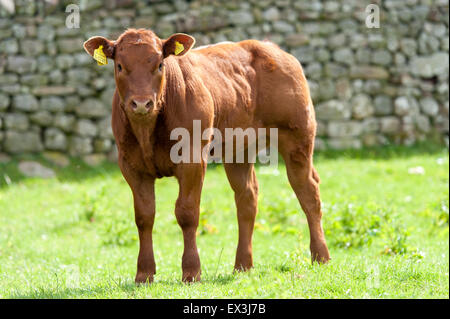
[(139, 69)]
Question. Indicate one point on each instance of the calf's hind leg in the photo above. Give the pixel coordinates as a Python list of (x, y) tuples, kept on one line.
[(305, 183), (243, 181)]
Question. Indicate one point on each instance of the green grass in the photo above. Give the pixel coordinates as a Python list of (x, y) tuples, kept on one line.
[(74, 236)]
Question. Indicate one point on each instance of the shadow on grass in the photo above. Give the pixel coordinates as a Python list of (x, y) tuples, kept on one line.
[(123, 286), (78, 170), (68, 293)]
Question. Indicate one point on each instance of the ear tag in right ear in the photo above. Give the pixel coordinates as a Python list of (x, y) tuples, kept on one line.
[(99, 56), (178, 48)]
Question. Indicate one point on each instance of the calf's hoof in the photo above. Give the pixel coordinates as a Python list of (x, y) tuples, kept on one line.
[(320, 259), (243, 261), (242, 267), (321, 256), (142, 278), (189, 278)]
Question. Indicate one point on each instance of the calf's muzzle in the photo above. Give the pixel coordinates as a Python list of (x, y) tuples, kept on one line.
[(141, 106)]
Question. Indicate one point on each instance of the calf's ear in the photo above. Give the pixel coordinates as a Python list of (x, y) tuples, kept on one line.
[(95, 42), (178, 44)]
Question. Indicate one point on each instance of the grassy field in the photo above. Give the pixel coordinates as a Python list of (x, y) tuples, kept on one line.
[(74, 236)]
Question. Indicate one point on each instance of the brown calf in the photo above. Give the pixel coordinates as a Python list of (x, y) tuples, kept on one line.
[(249, 84)]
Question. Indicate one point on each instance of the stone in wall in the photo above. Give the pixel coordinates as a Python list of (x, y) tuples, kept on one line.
[(390, 125), (429, 106), (25, 102), (80, 146), (429, 66), (333, 110), (85, 127), (92, 108), (65, 122), (16, 142), (16, 121), (361, 106), (55, 139), (42, 118), (20, 64)]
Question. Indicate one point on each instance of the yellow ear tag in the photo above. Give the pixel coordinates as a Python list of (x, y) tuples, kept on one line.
[(99, 56), (178, 48)]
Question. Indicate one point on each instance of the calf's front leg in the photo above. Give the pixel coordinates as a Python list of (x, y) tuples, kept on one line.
[(143, 188), (144, 208), (187, 209)]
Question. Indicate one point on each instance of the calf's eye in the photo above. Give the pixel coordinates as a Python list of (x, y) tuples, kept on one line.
[(119, 67), (160, 67)]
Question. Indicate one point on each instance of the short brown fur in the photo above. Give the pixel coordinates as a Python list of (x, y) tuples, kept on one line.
[(249, 84)]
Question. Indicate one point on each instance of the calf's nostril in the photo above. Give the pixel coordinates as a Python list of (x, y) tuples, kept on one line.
[(149, 104), (133, 104)]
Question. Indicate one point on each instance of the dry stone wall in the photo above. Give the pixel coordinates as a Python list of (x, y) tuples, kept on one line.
[(370, 86)]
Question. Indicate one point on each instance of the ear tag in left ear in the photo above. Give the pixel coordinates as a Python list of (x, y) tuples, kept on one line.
[(178, 48), (99, 56)]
